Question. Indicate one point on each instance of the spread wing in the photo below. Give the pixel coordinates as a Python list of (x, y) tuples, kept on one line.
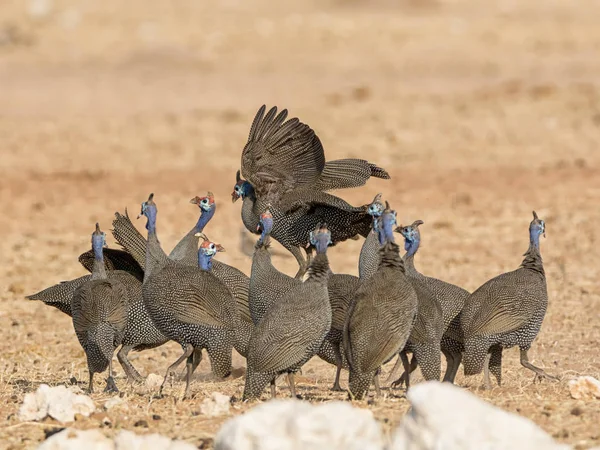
[(280, 155)]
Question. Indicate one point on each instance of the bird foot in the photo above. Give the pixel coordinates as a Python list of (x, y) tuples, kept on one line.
[(110, 385), (337, 388), (398, 383), (539, 376)]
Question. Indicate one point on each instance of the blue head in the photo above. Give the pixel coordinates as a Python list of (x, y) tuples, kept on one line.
[(412, 237), (320, 238), (387, 221), (206, 252), (242, 189), (375, 210), (207, 207), (537, 227), (265, 225), (149, 210), (98, 242)]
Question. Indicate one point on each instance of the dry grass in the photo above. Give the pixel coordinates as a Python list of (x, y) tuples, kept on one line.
[(481, 113)]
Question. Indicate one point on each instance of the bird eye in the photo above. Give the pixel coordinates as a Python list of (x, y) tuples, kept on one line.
[(204, 201), (212, 246)]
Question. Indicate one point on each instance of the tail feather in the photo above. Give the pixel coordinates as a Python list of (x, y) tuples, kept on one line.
[(348, 173), (60, 295), (128, 237), (379, 172)]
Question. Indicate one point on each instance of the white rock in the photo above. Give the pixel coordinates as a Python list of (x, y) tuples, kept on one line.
[(447, 417), (586, 388), (295, 425), (126, 440), (58, 402), (217, 405), (71, 439), (113, 402), (153, 381)]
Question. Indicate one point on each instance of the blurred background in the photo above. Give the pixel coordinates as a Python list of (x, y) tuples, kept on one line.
[(480, 110)]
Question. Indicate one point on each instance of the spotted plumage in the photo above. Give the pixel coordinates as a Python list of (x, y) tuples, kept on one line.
[(293, 328), (381, 315), (268, 285), (506, 311), (186, 253), (451, 299), (189, 305), (99, 307)]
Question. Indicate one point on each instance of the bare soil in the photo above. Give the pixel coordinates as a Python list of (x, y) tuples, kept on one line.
[(481, 111)]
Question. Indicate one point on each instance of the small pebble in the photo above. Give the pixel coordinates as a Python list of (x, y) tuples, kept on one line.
[(141, 423), (156, 417), (577, 411)]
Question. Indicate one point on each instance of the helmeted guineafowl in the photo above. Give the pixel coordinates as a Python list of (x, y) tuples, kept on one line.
[(267, 284), (293, 328), (451, 299), (188, 305), (99, 309), (381, 315), (236, 281), (140, 333), (506, 311), (368, 261), (284, 166)]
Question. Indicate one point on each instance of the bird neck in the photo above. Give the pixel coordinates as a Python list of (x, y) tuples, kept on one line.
[(154, 253), (99, 269), (533, 257), (318, 271), (411, 247), (204, 218), (409, 262), (390, 256), (204, 261)]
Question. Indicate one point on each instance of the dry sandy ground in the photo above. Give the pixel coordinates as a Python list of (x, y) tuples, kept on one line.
[(480, 112)]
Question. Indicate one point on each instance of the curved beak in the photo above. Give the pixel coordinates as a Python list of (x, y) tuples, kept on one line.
[(220, 248), (234, 197)]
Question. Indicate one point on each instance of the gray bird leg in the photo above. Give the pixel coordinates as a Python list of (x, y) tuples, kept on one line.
[(290, 377), (110, 381), (338, 369), (187, 351), (539, 372), (122, 356)]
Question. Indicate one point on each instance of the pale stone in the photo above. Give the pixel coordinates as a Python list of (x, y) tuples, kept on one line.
[(447, 417), (126, 440), (585, 388), (217, 405), (71, 439), (295, 425), (58, 402), (113, 402), (153, 381)]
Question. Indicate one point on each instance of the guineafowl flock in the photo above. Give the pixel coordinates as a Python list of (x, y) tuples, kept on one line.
[(139, 297)]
